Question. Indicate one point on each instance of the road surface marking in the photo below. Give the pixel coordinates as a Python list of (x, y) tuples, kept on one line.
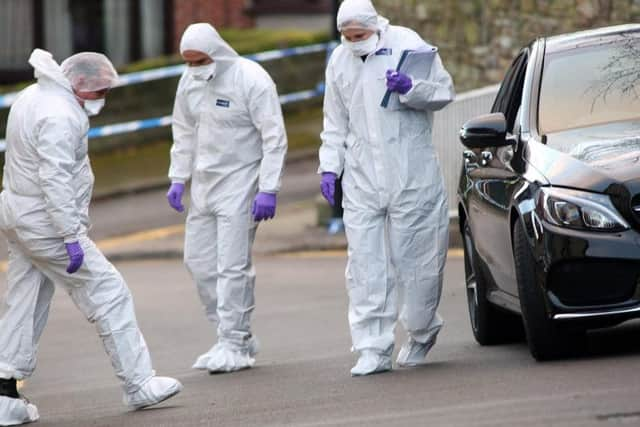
[(316, 254), (140, 237), (456, 253), (129, 239), (164, 232)]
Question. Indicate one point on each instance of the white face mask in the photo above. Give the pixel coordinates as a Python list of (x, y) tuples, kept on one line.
[(203, 72), (93, 106), (364, 47)]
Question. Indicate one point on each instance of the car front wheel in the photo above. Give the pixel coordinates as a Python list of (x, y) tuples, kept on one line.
[(490, 325), (547, 339)]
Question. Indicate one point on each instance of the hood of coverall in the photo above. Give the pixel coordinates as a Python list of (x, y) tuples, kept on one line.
[(204, 38), (90, 72), (361, 14), (47, 70)]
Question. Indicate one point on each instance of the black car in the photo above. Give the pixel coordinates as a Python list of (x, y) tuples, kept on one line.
[(549, 194)]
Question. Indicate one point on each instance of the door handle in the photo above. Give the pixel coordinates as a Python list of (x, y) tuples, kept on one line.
[(487, 157)]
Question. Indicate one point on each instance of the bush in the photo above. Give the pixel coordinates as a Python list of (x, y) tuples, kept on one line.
[(139, 159), (244, 42)]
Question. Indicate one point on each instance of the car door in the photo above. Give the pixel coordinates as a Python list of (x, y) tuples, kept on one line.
[(493, 183)]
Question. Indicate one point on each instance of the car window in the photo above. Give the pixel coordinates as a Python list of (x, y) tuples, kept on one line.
[(510, 94), (516, 125), (591, 85), (498, 104)]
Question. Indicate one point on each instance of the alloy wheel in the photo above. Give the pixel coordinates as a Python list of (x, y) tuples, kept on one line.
[(470, 279)]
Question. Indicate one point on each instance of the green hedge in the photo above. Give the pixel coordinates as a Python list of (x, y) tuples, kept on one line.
[(244, 42), (136, 159), (155, 98), (142, 165)]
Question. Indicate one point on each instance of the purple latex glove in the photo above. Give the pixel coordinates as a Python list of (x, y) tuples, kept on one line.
[(264, 206), (76, 256), (328, 186), (398, 82), (174, 196)]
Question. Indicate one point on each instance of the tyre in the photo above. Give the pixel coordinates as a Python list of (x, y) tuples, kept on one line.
[(547, 339), (490, 324)]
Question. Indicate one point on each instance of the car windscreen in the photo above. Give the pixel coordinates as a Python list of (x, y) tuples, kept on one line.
[(591, 85)]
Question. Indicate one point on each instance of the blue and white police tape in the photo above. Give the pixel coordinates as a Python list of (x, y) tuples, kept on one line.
[(149, 75), (8, 99), (128, 127), (157, 122), (291, 51), (303, 95), (176, 70)]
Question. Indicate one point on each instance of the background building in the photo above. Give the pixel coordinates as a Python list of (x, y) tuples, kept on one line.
[(125, 30), (307, 14)]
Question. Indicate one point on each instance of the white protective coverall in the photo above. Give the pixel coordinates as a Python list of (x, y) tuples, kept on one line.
[(395, 206), (230, 140), (47, 188)]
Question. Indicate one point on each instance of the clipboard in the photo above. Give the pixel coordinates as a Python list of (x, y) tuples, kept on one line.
[(416, 63)]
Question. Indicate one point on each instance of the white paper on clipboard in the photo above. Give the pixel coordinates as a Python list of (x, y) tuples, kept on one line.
[(417, 64)]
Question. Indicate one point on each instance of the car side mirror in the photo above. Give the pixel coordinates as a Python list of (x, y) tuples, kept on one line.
[(485, 131)]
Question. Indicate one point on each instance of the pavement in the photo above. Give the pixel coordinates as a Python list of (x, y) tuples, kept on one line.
[(137, 224), (159, 232), (294, 229)]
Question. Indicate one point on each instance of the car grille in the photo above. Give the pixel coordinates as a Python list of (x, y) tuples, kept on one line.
[(590, 282)]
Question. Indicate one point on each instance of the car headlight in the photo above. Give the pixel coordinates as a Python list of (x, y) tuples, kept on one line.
[(580, 210)]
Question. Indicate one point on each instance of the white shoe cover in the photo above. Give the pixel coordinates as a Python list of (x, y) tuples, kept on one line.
[(253, 346), (371, 362), (413, 353), (17, 411), (203, 360), (225, 357), (154, 391)]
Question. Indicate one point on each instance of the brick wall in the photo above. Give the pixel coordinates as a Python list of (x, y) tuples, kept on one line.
[(219, 13), (292, 6)]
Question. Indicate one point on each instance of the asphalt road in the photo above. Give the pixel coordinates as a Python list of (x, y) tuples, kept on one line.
[(302, 373)]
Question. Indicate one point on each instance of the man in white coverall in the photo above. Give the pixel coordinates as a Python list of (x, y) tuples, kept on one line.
[(229, 139), (395, 207), (44, 207)]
